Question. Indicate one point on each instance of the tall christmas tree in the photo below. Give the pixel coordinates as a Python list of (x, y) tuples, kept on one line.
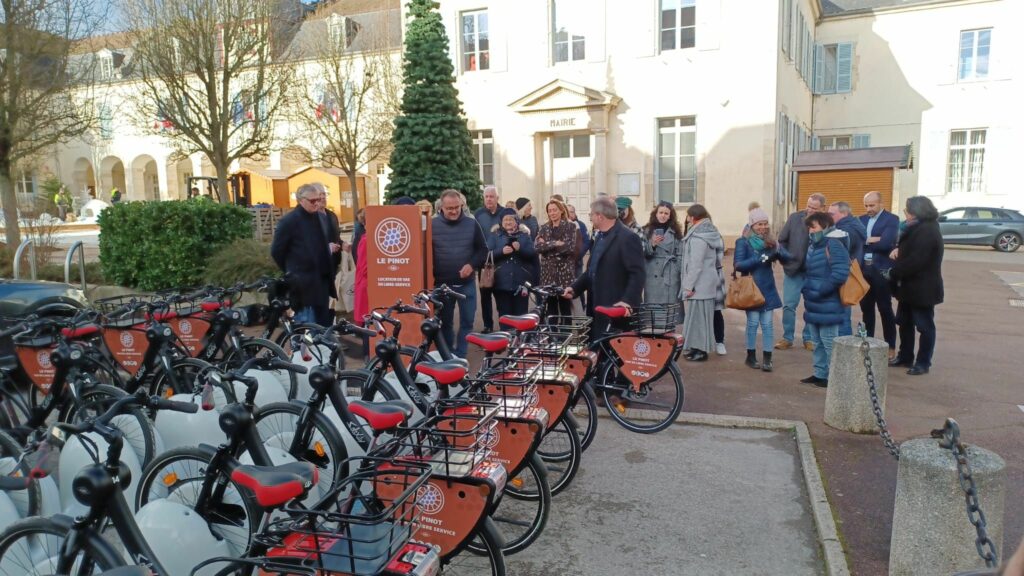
[(431, 146)]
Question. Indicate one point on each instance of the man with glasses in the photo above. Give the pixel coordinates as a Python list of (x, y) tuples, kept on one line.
[(459, 251), (307, 248)]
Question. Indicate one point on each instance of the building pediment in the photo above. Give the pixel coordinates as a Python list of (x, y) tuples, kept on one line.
[(563, 95)]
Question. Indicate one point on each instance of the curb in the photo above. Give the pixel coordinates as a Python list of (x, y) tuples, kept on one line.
[(828, 535)]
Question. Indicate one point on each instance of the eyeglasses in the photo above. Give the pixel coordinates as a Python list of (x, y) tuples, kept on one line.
[(313, 200)]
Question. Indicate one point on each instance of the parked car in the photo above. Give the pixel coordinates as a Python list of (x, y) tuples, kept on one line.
[(24, 297), (1000, 228)]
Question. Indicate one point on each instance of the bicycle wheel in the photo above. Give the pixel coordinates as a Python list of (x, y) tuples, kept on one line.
[(133, 422), (260, 348), (31, 547), (27, 501), (651, 409), (489, 560), (324, 448), (521, 519), (585, 412), (179, 475), (188, 372), (560, 449)]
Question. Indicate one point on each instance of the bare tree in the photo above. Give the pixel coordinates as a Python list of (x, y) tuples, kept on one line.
[(351, 94), (212, 73), (44, 85)]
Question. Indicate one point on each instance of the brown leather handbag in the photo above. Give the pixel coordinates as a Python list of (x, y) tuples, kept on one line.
[(743, 294), (487, 272), (856, 286)]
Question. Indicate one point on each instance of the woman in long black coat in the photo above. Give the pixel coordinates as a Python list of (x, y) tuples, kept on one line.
[(917, 280)]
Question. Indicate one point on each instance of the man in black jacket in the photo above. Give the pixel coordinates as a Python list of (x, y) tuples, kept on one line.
[(615, 275), (459, 251), (307, 248)]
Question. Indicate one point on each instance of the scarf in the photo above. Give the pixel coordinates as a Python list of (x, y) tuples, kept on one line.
[(756, 242)]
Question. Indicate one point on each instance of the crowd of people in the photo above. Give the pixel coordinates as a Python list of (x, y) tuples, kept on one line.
[(665, 261)]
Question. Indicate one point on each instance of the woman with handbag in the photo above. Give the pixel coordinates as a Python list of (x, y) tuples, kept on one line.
[(756, 252), (557, 244), (703, 248), (663, 247), (511, 250)]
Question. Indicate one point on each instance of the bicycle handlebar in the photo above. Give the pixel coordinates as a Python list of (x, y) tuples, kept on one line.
[(346, 327), (274, 363)]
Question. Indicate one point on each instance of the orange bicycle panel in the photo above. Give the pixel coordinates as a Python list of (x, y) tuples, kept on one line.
[(643, 357), (511, 441), (554, 396), (191, 331), (36, 363), (128, 346)]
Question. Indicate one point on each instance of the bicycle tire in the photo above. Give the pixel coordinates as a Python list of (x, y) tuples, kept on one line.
[(514, 509), (561, 451), (585, 412), (468, 563), (28, 501), (613, 390), (29, 558), (188, 371), (252, 347), (235, 518), (276, 424), (143, 442)]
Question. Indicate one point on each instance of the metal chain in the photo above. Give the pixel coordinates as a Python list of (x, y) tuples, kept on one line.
[(883, 428), (949, 436)]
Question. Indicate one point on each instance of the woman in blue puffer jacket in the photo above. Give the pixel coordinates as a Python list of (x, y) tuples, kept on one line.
[(756, 251), (827, 268), (514, 261)]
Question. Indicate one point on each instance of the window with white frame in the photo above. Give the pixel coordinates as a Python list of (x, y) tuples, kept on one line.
[(974, 50), (483, 151), (569, 40), (842, 141), (833, 68), (106, 65), (678, 24), (336, 30), (25, 188), (106, 122), (571, 146), (966, 161), (476, 48), (677, 159)]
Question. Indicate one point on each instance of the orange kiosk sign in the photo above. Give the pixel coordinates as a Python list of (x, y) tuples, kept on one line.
[(399, 260)]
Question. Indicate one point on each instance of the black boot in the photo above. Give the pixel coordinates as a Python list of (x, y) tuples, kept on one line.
[(766, 362), (752, 359)]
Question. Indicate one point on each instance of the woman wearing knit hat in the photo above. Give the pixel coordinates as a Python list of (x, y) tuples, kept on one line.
[(525, 209), (756, 251), (514, 255)]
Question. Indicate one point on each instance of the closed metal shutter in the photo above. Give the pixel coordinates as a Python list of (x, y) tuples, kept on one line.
[(847, 185)]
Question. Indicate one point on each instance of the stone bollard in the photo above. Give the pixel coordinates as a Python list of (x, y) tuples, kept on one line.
[(847, 401), (930, 530)]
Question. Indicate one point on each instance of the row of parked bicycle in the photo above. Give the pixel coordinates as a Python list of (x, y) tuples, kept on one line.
[(209, 451)]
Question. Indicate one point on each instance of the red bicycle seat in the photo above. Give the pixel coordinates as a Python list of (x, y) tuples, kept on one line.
[(612, 311), (275, 485), (489, 342), (161, 316), (520, 323), (209, 306), (80, 331), (445, 373), (382, 416)]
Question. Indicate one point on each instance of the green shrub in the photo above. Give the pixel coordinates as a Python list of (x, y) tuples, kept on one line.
[(157, 245), (55, 273), (243, 260)]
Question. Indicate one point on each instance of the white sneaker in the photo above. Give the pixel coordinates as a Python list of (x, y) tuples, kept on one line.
[(720, 349)]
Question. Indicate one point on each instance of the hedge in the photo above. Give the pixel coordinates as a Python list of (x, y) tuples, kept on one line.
[(157, 245), (245, 260)]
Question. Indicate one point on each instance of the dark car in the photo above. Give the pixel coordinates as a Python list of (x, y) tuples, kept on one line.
[(1000, 228), (24, 297)]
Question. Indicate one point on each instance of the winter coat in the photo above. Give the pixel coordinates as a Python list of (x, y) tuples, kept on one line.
[(558, 263), (585, 237), (703, 249), (360, 288), (511, 270), (750, 262), (487, 220), (531, 223), (455, 244), (301, 251), (857, 235), (664, 268), (917, 273), (793, 237), (827, 267)]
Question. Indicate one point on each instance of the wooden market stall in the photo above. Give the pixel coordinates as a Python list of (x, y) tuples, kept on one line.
[(338, 198)]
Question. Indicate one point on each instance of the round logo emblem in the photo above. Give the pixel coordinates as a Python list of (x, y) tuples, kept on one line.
[(642, 348), (185, 327), (430, 499), (491, 437), (392, 237), (43, 357), (127, 340)]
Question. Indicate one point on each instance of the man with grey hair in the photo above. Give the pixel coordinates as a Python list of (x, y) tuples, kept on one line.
[(459, 251), (487, 217), (615, 276), (844, 220), (307, 248), (794, 238)]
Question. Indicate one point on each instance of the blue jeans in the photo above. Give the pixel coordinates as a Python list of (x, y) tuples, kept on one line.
[(791, 288), (846, 328), (467, 314), (322, 315), (305, 315), (822, 337), (763, 319)]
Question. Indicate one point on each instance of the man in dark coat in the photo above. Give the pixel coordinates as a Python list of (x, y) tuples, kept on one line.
[(489, 219), (615, 275), (882, 228), (307, 248), (459, 251), (845, 221)]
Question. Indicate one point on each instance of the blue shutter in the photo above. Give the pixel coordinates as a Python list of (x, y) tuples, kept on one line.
[(819, 69), (861, 141), (237, 110), (815, 143), (844, 67)]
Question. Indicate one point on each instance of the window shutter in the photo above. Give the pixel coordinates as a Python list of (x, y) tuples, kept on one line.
[(815, 143), (844, 66), (819, 68), (862, 140)]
